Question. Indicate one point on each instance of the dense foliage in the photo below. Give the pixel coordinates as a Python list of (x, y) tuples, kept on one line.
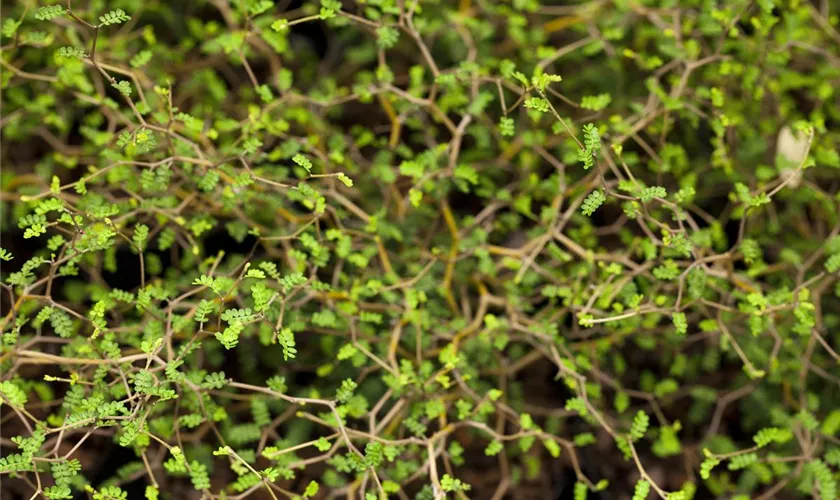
[(420, 249)]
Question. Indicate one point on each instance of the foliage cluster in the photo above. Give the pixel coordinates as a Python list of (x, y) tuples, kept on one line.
[(420, 249)]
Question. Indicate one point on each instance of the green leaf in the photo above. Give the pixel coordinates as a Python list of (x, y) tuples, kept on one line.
[(830, 425), (544, 80), (581, 492), (596, 102), (450, 484), (58, 492), (552, 447), (141, 59), (71, 53), (347, 181), (141, 235), (286, 338), (593, 202), (493, 449), (322, 444), (825, 479), (706, 467), (373, 454), (124, 87), (506, 126), (832, 264), (198, 475), (387, 37), (467, 173), (680, 323), (641, 490), (49, 12), (311, 489), (10, 27), (537, 104), (772, 434), (345, 392), (294, 280), (257, 7), (116, 16), (303, 162), (639, 426), (152, 493), (13, 394), (251, 145), (591, 138), (652, 192), (329, 8), (265, 93), (742, 461)]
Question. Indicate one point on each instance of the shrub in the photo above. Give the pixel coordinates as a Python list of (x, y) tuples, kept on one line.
[(420, 249)]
